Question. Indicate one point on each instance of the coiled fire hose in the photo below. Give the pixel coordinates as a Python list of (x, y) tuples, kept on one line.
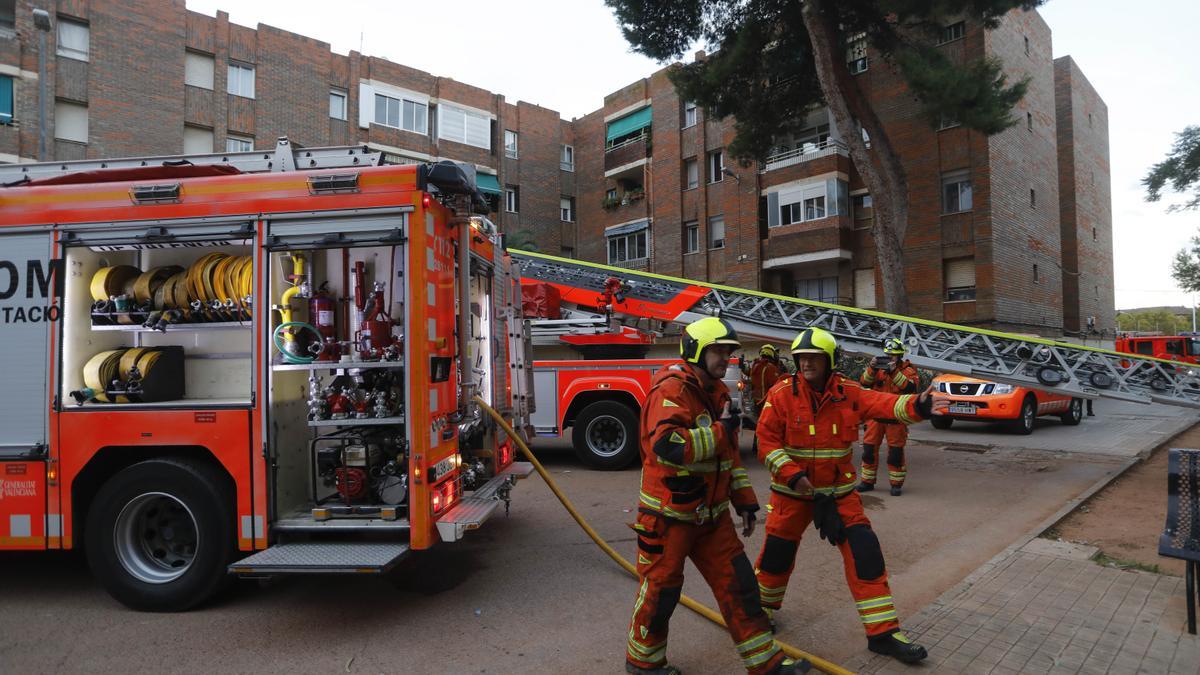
[(817, 662)]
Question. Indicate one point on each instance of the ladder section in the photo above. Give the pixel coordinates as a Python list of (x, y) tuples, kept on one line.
[(285, 157), (1036, 363)]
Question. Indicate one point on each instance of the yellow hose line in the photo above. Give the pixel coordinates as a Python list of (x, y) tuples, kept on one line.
[(817, 662)]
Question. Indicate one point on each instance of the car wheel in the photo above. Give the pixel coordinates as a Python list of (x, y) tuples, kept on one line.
[(1074, 414), (605, 435), (1024, 424), (941, 421)]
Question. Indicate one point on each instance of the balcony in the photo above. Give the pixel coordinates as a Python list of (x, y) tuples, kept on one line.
[(626, 153), (806, 152)]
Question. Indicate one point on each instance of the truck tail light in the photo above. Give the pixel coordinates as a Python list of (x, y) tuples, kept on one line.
[(505, 454), (445, 495)]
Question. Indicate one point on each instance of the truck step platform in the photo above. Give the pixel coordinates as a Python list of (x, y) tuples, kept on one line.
[(475, 509), (305, 522), (332, 557)]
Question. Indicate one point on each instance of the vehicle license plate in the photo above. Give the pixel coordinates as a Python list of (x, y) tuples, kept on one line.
[(961, 409)]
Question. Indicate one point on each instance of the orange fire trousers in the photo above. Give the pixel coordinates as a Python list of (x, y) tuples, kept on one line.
[(897, 436)]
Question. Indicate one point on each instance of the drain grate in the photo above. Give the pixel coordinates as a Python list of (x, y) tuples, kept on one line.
[(978, 450)]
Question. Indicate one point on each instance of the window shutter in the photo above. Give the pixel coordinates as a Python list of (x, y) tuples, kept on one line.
[(197, 141), (198, 70), (366, 105), (960, 273), (773, 209), (864, 288)]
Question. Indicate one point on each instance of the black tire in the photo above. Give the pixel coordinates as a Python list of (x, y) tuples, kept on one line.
[(1074, 414), (1023, 425), (605, 435), (941, 421), (160, 534)]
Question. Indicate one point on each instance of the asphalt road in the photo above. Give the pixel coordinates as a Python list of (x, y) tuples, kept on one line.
[(530, 593)]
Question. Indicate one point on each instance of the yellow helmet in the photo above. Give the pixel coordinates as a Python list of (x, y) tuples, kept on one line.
[(703, 333), (817, 341), (893, 346), (767, 350)]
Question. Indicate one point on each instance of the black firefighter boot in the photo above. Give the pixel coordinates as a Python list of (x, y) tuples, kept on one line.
[(896, 644), (790, 667), (661, 670)]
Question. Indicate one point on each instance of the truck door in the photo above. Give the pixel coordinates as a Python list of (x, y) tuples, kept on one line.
[(30, 284)]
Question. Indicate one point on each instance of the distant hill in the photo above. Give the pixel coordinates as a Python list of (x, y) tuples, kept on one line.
[(1169, 310)]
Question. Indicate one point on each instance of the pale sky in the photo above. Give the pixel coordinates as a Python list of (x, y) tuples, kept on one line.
[(566, 55)]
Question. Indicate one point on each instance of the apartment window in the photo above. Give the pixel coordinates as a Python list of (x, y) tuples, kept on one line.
[(401, 113), (947, 122), (567, 252), (716, 232), (627, 247), (198, 70), (691, 237), (241, 80), (954, 31), (864, 288), (510, 144), (716, 166), (465, 126), (864, 211), (234, 143), (800, 205), (566, 160), (611, 194), (689, 114), (337, 104), (1092, 175), (1029, 121), (1036, 278), (73, 39), (1032, 198), (7, 107), (959, 277), (691, 173), (1093, 234), (823, 289), (197, 140), (512, 198), (956, 193), (566, 208), (856, 54), (1026, 46), (70, 121), (8, 15)]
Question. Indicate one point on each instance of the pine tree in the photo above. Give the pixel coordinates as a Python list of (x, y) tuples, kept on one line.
[(775, 60), (1181, 170)]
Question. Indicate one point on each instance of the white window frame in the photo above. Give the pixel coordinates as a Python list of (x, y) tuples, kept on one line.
[(619, 246), (566, 209), (512, 141), (199, 70), (957, 179), (690, 115), (566, 158), (342, 97), (691, 237), (476, 125), (66, 114), (691, 173), (512, 199), (809, 202), (238, 143), (716, 223), (241, 80), (716, 166), (419, 110), (70, 33)]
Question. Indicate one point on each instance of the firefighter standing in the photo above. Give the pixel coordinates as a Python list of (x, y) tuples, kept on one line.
[(764, 373), (891, 374), (690, 473), (805, 431)]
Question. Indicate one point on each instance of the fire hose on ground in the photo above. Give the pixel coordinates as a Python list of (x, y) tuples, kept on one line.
[(817, 662)]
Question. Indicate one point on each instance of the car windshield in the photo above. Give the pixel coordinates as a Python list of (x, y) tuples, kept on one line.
[(1193, 346)]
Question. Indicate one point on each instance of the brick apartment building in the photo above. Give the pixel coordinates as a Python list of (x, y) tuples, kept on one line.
[(1011, 231)]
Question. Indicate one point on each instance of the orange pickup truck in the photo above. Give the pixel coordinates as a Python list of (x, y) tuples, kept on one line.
[(983, 401)]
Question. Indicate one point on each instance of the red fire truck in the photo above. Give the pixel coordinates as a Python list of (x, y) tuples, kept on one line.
[(269, 353), (1180, 348)]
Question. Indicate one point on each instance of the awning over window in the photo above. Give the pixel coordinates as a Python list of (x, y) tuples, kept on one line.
[(629, 124), (487, 183), (627, 228)]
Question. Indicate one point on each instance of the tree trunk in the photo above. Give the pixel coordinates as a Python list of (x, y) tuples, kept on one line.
[(878, 166)]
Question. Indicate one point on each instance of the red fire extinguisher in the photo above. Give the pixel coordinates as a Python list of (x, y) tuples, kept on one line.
[(322, 312), (376, 332)]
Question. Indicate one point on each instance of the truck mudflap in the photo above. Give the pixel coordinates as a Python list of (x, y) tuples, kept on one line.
[(474, 510)]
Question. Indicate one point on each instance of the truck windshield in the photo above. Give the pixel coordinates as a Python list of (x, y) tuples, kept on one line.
[(1193, 346)]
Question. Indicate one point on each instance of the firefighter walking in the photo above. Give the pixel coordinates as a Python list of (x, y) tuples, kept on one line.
[(805, 433), (691, 473), (890, 374), (764, 373)]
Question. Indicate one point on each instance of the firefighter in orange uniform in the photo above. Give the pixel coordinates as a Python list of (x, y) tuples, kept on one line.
[(891, 374), (805, 430), (690, 473), (764, 373)]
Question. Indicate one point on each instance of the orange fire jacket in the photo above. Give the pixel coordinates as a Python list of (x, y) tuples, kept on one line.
[(764, 373)]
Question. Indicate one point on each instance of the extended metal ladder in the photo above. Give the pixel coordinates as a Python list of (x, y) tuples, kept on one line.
[(285, 157), (1036, 363)]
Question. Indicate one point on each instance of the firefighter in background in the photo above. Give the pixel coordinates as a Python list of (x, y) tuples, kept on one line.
[(805, 433), (891, 374), (764, 373), (690, 473)]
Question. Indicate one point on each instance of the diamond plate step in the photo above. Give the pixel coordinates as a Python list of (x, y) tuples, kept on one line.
[(323, 558), (474, 510)]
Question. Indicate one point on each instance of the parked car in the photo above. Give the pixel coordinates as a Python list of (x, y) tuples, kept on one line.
[(984, 401)]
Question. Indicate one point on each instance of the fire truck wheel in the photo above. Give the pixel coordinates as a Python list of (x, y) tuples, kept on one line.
[(941, 421), (605, 435), (160, 533), (1074, 414)]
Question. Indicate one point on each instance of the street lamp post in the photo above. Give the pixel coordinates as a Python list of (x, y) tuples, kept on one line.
[(41, 21)]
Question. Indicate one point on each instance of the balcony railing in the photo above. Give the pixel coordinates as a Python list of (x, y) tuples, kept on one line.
[(627, 152), (806, 152)]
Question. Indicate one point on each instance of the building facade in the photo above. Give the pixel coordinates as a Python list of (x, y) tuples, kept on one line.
[(1010, 231)]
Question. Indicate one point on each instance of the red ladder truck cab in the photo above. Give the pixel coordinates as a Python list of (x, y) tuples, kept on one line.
[(1179, 348), (232, 365), (592, 375)]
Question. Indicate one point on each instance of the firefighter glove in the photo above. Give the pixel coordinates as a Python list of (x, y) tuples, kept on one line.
[(748, 520), (924, 404), (732, 424), (827, 520)]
